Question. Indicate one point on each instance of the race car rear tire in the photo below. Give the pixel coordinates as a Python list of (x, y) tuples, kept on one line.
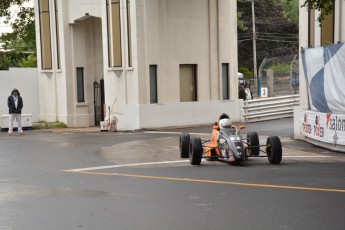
[(253, 143), (274, 150), (184, 145), (195, 151)]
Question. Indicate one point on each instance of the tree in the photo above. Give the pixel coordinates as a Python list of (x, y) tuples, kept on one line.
[(277, 34), (29, 61), (324, 6), (10, 59), (23, 36), (291, 9)]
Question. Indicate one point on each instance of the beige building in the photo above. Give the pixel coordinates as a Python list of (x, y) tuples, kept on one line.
[(154, 63)]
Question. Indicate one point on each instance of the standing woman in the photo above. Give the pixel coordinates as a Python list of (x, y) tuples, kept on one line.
[(15, 105)]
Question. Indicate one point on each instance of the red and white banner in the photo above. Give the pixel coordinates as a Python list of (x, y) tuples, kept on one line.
[(324, 127)]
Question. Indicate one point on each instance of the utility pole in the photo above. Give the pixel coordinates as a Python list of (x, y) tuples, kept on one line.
[(257, 81)]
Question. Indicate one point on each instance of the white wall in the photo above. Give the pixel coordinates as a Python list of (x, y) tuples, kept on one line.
[(176, 114), (26, 81)]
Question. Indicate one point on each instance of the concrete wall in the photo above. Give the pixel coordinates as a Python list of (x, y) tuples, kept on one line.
[(26, 81), (186, 114)]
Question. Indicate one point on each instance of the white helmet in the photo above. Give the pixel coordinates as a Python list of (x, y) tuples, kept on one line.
[(225, 124)]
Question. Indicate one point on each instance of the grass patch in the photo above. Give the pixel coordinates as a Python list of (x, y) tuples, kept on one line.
[(48, 125)]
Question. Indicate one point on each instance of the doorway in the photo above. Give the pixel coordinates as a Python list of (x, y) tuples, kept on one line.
[(188, 83), (98, 103)]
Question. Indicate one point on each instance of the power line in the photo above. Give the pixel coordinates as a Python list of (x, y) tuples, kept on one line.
[(273, 40)]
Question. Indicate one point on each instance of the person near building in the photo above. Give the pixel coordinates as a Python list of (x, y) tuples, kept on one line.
[(247, 90), (15, 105), (241, 92)]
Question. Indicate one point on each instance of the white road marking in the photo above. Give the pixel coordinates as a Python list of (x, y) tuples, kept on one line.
[(306, 156), (126, 165), (176, 133), (161, 162)]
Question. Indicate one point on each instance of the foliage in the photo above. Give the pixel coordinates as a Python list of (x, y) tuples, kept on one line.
[(240, 23), (10, 59), (291, 10), (246, 71), (29, 61), (5, 63), (324, 6), (277, 34), (23, 36), (280, 68)]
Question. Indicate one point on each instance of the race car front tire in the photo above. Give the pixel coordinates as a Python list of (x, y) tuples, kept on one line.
[(195, 151), (184, 145), (274, 150), (253, 143)]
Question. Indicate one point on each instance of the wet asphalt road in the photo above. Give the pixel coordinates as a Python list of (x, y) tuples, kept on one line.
[(307, 191)]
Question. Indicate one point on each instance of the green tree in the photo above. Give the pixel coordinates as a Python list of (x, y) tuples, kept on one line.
[(291, 9), (29, 61), (23, 36), (246, 72), (276, 32), (324, 6), (10, 59)]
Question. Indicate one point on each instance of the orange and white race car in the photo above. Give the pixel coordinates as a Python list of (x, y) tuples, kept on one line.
[(226, 144)]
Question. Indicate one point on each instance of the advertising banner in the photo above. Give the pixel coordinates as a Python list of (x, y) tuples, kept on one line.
[(326, 127), (325, 76)]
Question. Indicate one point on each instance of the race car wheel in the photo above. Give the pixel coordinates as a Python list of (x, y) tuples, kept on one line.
[(253, 143), (195, 151), (274, 150), (184, 145)]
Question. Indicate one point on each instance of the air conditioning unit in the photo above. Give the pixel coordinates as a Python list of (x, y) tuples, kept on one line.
[(26, 122)]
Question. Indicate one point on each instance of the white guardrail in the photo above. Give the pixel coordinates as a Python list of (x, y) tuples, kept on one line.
[(271, 108)]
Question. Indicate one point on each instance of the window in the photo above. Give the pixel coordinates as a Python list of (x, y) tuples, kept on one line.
[(129, 35), (46, 52), (153, 84), (327, 30), (57, 35), (311, 32), (80, 84), (188, 83), (225, 81), (114, 33)]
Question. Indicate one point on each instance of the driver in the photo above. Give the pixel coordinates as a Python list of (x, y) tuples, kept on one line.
[(225, 123)]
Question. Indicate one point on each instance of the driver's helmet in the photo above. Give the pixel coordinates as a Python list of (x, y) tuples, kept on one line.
[(225, 124)]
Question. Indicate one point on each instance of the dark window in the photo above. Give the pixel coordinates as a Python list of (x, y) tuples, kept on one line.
[(80, 84), (153, 84), (225, 81), (57, 35), (311, 31), (129, 35)]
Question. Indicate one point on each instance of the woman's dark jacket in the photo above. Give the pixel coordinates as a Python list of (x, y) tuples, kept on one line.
[(12, 105)]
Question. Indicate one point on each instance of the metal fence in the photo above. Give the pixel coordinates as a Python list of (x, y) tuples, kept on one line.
[(279, 75)]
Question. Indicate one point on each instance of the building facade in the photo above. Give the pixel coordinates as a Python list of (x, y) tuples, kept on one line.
[(152, 63)]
